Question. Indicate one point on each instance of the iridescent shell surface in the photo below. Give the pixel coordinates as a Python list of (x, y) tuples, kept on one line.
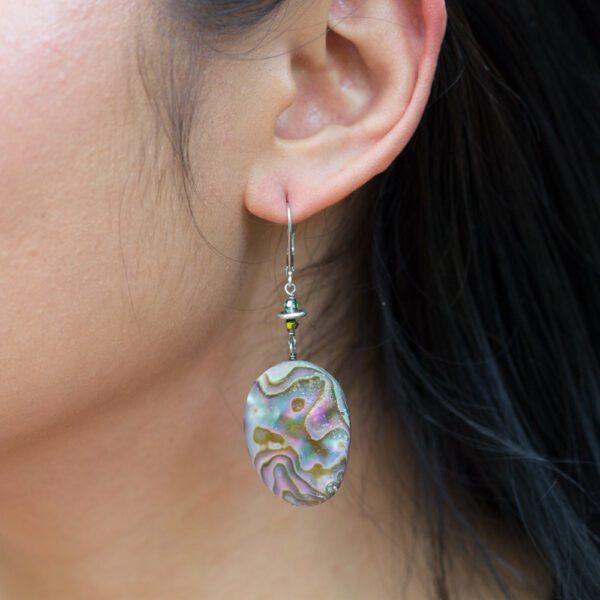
[(297, 429)]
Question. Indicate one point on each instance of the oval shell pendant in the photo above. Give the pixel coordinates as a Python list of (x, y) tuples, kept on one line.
[(297, 429)]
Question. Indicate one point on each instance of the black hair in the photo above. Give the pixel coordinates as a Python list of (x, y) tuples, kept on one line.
[(485, 259)]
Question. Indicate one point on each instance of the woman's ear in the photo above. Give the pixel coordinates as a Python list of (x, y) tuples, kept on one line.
[(360, 90)]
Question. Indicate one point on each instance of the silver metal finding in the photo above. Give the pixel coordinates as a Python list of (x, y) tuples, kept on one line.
[(292, 345), (291, 311), (291, 251)]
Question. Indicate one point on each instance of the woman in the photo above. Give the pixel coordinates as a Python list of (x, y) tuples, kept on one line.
[(441, 161)]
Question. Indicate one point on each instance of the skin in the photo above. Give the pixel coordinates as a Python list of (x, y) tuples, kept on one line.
[(130, 341)]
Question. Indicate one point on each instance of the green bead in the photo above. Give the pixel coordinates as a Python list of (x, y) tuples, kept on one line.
[(290, 305)]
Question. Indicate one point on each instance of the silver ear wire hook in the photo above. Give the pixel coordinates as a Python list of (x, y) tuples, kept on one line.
[(290, 287), (291, 311)]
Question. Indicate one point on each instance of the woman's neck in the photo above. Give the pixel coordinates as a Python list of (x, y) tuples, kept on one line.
[(154, 496), (151, 494)]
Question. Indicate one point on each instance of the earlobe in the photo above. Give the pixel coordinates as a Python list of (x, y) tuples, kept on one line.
[(361, 91)]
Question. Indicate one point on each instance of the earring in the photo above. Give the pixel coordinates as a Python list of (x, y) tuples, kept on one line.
[(296, 422)]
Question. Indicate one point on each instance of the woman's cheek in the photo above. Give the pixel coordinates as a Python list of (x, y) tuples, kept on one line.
[(63, 70)]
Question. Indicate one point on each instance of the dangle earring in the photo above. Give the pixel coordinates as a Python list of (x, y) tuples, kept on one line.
[(296, 423)]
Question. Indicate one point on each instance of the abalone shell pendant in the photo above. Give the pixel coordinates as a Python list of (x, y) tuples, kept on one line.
[(297, 429), (296, 422)]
